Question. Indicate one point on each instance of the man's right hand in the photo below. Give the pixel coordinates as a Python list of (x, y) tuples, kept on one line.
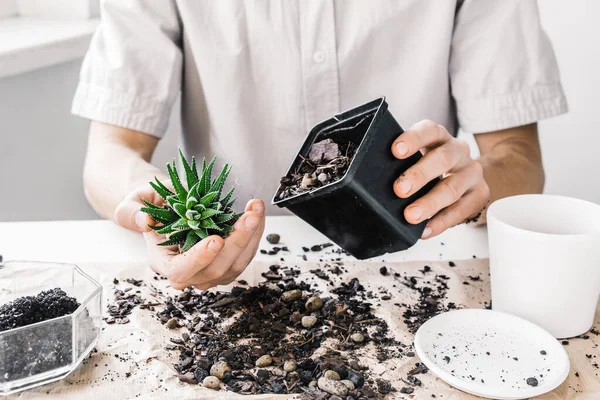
[(212, 261)]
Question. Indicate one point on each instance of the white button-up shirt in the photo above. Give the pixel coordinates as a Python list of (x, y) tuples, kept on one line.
[(255, 76)]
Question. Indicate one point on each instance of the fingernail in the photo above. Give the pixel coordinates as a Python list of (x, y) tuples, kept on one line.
[(415, 213), (215, 246), (258, 207), (252, 223), (426, 233), (141, 220), (405, 185), (402, 148)]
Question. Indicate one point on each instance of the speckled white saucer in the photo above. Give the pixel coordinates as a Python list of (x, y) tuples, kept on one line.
[(492, 354)]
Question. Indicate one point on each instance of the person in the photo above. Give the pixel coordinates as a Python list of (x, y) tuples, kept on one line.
[(255, 76)]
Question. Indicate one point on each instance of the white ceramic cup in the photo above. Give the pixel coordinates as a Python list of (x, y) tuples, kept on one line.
[(545, 261)]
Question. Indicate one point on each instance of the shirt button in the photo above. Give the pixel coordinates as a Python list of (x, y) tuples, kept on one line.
[(319, 56)]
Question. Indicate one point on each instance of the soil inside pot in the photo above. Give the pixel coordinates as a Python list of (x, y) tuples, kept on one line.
[(328, 158), (37, 349)]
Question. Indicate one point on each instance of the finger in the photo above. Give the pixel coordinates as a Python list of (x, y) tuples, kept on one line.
[(128, 214), (445, 193), (469, 205), (234, 245), (425, 133), (450, 156), (159, 257), (240, 264)]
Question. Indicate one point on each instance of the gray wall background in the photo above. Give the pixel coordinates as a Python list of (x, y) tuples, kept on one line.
[(42, 146)]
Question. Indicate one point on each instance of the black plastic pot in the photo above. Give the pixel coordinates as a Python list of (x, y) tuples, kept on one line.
[(360, 212)]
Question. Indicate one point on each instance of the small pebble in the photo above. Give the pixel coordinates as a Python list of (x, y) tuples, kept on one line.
[(262, 374), (314, 303), (211, 382), (357, 337), (291, 295), (323, 178), (187, 378), (383, 270), (273, 238), (356, 378), (543, 352), (532, 382), (172, 324), (309, 321), (219, 368), (348, 384), (407, 390), (264, 361), (332, 387), (307, 181), (329, 374), (296, 317), (289, 366)]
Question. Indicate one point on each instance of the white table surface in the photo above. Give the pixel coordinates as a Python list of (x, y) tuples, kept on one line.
[(103, 241)]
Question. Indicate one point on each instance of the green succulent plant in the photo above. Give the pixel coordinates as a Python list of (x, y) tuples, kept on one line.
[(193, 213)]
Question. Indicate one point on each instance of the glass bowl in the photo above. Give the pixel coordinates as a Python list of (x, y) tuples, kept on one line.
[(47, 351)]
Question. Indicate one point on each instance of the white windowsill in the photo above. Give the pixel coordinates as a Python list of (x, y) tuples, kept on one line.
[(28, 43)]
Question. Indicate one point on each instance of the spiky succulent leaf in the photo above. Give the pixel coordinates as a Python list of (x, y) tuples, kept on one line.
[(206, 178), (227, 197), (191, 175), (191, 202), (217, 185), (201, 232), (180, 224), (194, 225), (172, 200), (161, 189), (190, 241), (230, 204), (176, 238), (153, 206), (208, 223), (179, 189), (166, 229), (159, 214), (208, 198), (192, 214), (222, 218), (180, 209), (209, 213)]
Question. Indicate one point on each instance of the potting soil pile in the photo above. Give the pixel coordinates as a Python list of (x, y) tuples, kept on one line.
[(287, 329)]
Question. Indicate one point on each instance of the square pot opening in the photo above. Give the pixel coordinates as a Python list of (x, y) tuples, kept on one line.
[(342, 129)]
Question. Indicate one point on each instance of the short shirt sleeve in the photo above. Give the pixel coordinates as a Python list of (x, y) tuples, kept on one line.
[(503, 71), (131, 74)]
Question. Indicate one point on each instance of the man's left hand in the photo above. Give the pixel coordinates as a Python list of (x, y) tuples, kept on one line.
[(461, 194)]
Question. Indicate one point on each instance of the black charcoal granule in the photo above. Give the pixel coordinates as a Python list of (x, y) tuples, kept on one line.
[(532, 382)]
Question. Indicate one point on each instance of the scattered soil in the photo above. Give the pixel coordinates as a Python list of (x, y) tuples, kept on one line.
[(248, 325), (249, 337), (41, 348), (327, 162)]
